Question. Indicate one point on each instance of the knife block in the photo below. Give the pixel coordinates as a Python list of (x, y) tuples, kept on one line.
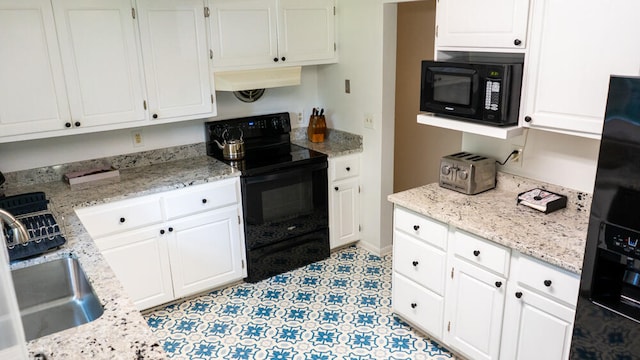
[(317, 128)]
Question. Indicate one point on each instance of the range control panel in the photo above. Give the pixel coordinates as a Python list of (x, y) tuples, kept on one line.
[(623, 241)]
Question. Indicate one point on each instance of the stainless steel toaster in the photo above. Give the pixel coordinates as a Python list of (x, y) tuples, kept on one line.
[(467, 173)]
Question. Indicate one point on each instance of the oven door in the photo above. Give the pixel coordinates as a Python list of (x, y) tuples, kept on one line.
[(285, 204)]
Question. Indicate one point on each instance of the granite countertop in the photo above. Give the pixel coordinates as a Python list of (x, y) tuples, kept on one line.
[(337, 143), (121, 332), (557, 238)]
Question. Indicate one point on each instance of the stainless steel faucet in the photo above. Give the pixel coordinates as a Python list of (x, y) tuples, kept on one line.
[(18, 231)]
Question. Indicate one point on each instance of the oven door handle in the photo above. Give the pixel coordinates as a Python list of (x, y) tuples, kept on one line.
[(276, 174)]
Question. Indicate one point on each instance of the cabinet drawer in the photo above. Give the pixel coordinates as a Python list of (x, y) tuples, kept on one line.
[(548, 279), (120, 216), (483, 253), (418, 305), (345, 167), (421, 227), (200, 198), (419, 261)]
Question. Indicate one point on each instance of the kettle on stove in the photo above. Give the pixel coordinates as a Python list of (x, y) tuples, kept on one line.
[(231, 149)]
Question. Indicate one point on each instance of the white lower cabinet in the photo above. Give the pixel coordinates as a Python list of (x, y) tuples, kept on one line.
[(344, 200), (424, 308), (419, 268), (475, 304), (475, 295), (196, 244), (140, 260), (478, 298), (203, 252), (540, 311)]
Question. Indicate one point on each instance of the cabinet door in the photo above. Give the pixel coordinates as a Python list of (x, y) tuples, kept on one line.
[(206, 251), (474, 308), (569, 62), (535, 327), (483, 24), (306, 30), (101, 61), (244, 33), (345, 212), (32, 95), (176, 58), (140, 260)]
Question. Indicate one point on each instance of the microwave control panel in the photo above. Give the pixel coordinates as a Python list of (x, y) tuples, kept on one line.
[(492, 95)]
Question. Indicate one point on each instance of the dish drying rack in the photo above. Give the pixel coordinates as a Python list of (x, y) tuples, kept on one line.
[(32, 210)]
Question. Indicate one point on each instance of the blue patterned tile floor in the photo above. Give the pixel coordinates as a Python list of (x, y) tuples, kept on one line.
[(338, 308)]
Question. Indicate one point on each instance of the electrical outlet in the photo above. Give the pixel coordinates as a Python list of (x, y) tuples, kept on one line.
[(136, 137), (516, 159), (300, 117), (517, 156), (368, 121)]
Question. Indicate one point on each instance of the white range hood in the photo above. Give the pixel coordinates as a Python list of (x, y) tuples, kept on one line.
[(257, 79)]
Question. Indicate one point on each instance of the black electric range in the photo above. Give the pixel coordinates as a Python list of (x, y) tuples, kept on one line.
[(284, 194), (266, 140)]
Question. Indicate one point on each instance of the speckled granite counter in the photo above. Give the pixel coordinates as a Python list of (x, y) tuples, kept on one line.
[(337, 143), (557, 238), (121, 332)]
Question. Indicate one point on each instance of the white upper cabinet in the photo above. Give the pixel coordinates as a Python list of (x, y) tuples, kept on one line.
[(176, 58), (574, 47), (101, 61), (306, 30), (32, 91), (257, 34), (498, 24), (75, 66), (244, 32)]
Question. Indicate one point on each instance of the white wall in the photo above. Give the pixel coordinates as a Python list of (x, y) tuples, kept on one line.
[(565, 160), (366, 45), (45, 152)]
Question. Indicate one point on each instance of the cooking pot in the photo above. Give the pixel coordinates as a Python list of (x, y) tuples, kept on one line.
[(231, 149)]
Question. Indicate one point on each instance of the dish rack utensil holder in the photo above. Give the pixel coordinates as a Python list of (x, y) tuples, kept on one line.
[(32, 210)]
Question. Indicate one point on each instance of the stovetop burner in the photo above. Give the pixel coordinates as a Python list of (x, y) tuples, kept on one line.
[(266, 142)]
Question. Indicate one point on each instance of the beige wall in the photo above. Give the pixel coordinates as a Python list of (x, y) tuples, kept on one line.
[(418, 148)]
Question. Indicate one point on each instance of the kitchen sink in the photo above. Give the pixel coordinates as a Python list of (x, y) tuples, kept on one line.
[(54, 296)]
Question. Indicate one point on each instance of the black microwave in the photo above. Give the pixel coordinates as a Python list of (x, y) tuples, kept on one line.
[(478, 92)]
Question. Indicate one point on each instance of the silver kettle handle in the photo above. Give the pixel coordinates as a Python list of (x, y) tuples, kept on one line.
[(225, 135)]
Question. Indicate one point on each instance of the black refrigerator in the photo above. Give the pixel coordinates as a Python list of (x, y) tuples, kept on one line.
[(607, 322)]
